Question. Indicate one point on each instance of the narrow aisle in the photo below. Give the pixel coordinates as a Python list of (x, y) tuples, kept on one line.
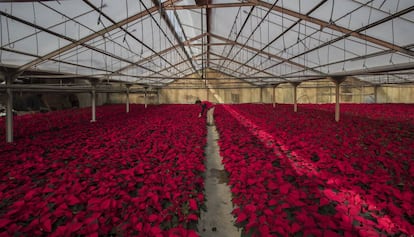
[(218, 220)]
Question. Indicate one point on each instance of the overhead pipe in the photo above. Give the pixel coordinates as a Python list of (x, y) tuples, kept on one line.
[(174, 32), (283, 33)]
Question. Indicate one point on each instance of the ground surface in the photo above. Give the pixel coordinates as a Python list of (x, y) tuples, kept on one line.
[(218, 220)]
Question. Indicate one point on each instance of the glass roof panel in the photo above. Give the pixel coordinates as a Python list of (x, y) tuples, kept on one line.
[(304, 49)]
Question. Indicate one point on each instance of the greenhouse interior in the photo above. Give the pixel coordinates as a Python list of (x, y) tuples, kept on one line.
[(207, 118)]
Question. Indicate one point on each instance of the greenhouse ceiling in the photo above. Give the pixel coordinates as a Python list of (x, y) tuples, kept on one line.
[(154, 42)]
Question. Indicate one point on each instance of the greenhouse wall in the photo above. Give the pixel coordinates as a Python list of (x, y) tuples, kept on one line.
[(312, 92), (221, 88)]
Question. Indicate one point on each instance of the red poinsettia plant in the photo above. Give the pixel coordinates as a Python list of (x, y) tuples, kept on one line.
[(136, 174), (303, 174)]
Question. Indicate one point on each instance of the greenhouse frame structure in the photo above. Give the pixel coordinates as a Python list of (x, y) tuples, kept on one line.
[(146, 45)]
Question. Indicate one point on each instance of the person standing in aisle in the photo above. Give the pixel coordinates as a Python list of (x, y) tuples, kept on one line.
[(208, 107)]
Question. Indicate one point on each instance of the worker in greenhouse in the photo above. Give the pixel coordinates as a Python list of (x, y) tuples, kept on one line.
[(208, 107)]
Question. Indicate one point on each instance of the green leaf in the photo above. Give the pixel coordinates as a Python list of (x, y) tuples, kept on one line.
[(203, 207), (370, 172), (356, 223), (290, 213), (276, 163), (60, 221), (364, 186), (174, 221), (315, 157), (290, 178), (251, 233), (298, 234), (133, 193), (77, 208), (328, 210), (192, 225), (409, 218), (368, 216)]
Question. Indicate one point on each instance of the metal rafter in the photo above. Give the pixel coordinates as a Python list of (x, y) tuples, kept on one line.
[(177, 64), (110, 38), (168, 68), (208, 29), (129, 33), (244, 78), (209, 6), (285, 31), (382, 11), (402, 12), (41, 58), (238, 34), (344, 30), (349, 59), (174, 32), (159, 53), (228, 76), (54, 60), (248, 66), (89, 37), (265, 53)]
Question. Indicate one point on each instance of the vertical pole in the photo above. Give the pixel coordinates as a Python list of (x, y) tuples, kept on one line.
[(93, 100), (274, 96), (127, 99), (158, 96), (337, 108), (376, 94), (145, 98), (208, 93), (295, 97), (9, 111), (261, 95), (337, 81)]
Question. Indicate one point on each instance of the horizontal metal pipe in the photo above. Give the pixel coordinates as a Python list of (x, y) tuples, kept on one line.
[(66, 89)]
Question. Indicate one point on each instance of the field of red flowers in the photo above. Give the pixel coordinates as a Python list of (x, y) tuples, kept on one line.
[(136, 174), (303, 174)]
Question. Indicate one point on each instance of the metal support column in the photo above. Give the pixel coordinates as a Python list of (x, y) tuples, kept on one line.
[(208, 93), (337, 81), (337, 108), (9, 111), (274, 96), (93, 99), (295, 96), (145, 98), (127, 98), (261, 95)]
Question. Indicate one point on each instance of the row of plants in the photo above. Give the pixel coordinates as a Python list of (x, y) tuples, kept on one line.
[(303, 174), (136, 174), (388, 112)]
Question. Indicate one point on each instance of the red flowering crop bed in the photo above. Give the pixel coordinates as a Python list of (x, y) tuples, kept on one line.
[(136, 174), (303, 174), (387, 112), (31, 124)]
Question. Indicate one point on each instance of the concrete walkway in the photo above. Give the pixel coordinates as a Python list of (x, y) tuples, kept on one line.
[(218, 220)]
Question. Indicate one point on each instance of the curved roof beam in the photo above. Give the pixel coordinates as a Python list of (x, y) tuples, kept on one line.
[(41, 59), (91, 37), (130, 34), (159, 53), (174, 32), (258, 51), (248, 66), (344, 30)]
